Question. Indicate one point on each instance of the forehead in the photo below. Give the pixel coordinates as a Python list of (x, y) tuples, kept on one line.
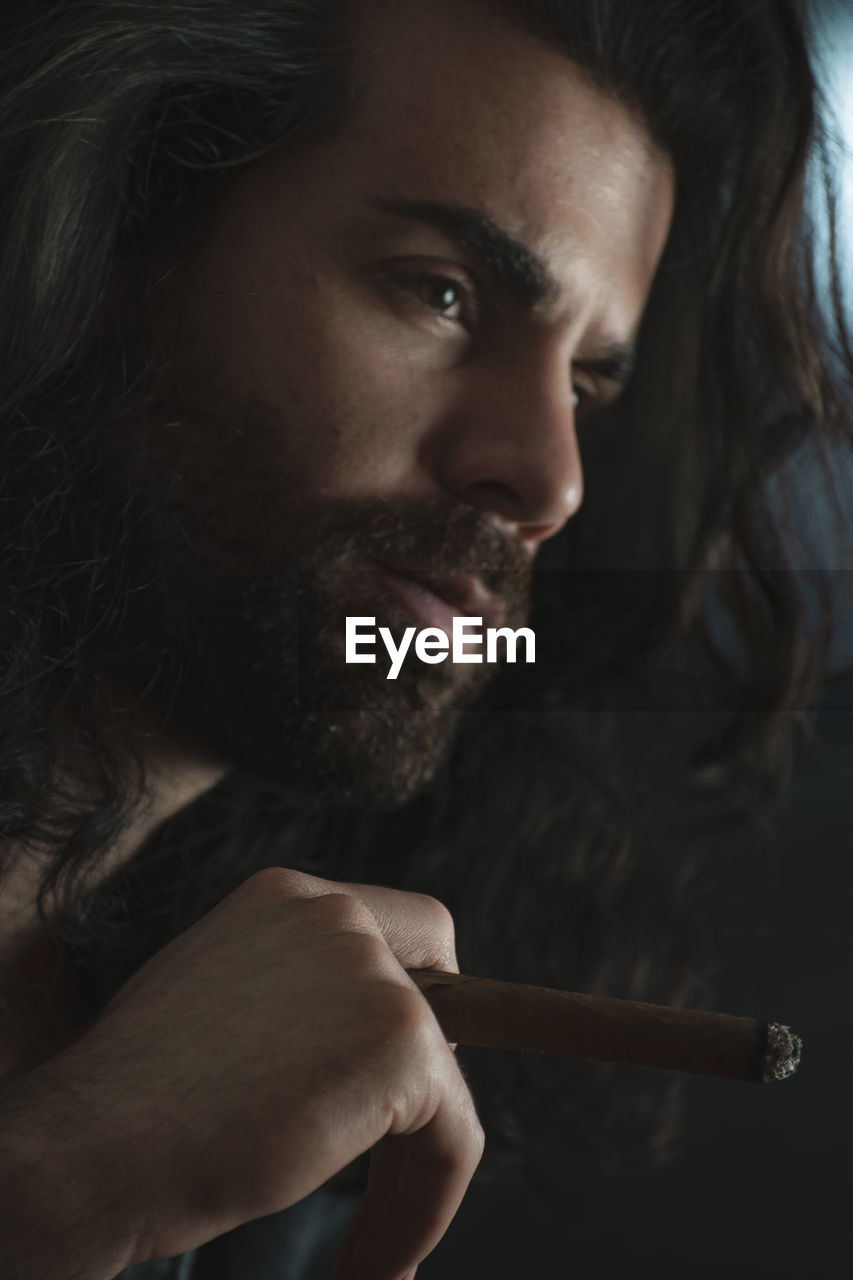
[(457, 102), (455, 105)]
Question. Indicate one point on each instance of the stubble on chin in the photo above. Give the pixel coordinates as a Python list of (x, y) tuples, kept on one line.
[(253, 663)]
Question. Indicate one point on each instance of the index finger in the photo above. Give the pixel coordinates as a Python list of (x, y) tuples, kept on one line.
[(416, 1184), (417, 928)]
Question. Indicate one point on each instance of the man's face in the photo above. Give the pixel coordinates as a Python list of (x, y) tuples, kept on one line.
[(370, 370)]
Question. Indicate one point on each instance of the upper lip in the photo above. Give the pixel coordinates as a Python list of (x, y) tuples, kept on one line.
[(465, 592)]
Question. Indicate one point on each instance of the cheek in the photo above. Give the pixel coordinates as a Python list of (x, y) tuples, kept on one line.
[(317, 383), (271, 421)]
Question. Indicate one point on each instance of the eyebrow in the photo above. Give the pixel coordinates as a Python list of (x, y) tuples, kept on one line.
[(512, 264)]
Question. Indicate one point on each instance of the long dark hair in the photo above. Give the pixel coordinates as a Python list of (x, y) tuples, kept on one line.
[(119, 121)]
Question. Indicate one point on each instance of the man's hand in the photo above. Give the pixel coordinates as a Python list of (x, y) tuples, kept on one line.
[(254, 1057)]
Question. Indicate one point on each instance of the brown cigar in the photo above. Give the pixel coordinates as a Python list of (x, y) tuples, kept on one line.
[(507, 1015)]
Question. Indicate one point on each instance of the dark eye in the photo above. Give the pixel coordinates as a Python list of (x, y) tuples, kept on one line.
[(587, 400), (441, 294), (582, 400)]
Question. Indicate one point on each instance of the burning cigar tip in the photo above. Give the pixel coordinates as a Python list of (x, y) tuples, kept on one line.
[(781, 1053)]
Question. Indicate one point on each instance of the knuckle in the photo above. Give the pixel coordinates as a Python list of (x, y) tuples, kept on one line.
[(270, 884), (366, 958), (407, 1022), (438, 917), (390, 1036), (276, 883), (343, 913)]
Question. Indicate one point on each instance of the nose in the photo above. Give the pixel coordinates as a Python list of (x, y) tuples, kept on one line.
[(510, 447)]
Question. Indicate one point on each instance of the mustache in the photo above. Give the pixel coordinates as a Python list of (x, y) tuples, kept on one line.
[(431, 535)]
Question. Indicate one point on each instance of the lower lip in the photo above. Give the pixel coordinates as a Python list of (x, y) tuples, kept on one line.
[(432, 610)]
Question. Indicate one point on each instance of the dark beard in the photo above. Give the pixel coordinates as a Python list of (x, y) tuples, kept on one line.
[(253, 664)]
